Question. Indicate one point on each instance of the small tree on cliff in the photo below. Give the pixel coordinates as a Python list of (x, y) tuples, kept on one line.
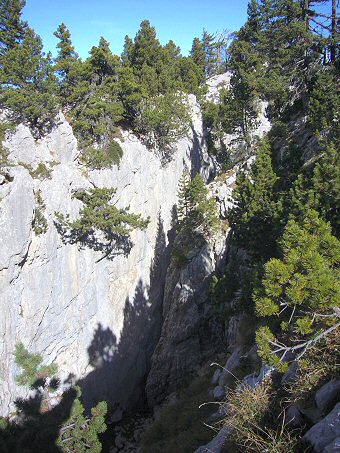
[(42, 427), (197, 212), (256, 217)]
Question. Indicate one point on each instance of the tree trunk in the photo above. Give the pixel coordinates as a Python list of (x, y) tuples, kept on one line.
[(306, 12), (334, 31)]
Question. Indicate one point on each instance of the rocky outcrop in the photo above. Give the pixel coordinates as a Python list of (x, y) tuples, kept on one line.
[(324, 436), (98, 317), (184, 344)]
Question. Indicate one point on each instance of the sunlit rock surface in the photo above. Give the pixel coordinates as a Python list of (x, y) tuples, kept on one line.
[(97, 317)]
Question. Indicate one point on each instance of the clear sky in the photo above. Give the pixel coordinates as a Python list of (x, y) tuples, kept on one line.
[(87, 20)]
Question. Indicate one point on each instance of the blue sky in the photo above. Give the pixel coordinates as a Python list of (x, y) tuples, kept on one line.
[(179, 20)]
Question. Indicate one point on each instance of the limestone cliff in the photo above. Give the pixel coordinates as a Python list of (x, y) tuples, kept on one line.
[(97, 317)]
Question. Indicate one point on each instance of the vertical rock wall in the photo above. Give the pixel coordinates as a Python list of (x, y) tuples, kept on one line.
[(97, 317)]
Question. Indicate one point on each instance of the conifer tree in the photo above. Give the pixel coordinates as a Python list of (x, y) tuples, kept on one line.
[(102, 62), (79, 434), (197, 212), (12, 27), (146, 48), (301, 290), (255, 217), (183, 203), (65, 61), (29, 85), (66, 53), (127, 51), (326, 185), (198, 55), (43, 427), (99, 216), (33, 371), (209, 47)]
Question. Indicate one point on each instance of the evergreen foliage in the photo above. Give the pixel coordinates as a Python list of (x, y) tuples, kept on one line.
[(197, 212), (48, 428), (256, 217), (99, 214), (39, 222), (12, 27), (65, 61), (98, 159), (163, 120), (79, 434), (28, 82), (33, 372), (302, 289)]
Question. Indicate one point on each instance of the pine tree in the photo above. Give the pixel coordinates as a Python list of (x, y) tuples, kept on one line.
[(41, 426), (256, 217), (326, 185), (102, 62), (197, 212), (65, 61), (79, 434), (301, 289), (33, 372), (100, 215), (67, 56), (127, 51), (146, 48), (209, 48), (29, 85), (198, 55), (12, 28), (183, 203)]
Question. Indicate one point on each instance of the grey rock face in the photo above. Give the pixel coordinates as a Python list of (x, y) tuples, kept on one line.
[(218, 393), (333, 447), (98, 318), (181, 349), (326, 433), (217, 444), (327, 396), (294, 418)]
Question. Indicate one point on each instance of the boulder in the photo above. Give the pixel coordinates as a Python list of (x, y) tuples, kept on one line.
[(324, 433), (327, 396), (219, 393), (217, 444)]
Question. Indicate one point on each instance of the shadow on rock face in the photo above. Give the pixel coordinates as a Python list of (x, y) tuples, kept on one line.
[(108, 243), (121, 365), (120, 368), (36, 429)]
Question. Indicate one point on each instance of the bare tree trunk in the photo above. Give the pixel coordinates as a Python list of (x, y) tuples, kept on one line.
[(334, 34), (306, 12)]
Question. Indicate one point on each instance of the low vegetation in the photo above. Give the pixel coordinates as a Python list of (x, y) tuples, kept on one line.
[(44, 425), (100, 158), (180, 424), (39, 223)]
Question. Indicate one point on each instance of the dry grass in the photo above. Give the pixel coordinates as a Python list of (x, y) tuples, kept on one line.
[(248, 414), (320, 365)]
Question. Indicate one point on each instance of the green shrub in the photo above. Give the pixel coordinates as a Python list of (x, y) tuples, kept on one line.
[(301, 291), (32, 368), (39, 222), (98, 159), (178, 255), (162, 120), (41, 172), (3, 152)]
